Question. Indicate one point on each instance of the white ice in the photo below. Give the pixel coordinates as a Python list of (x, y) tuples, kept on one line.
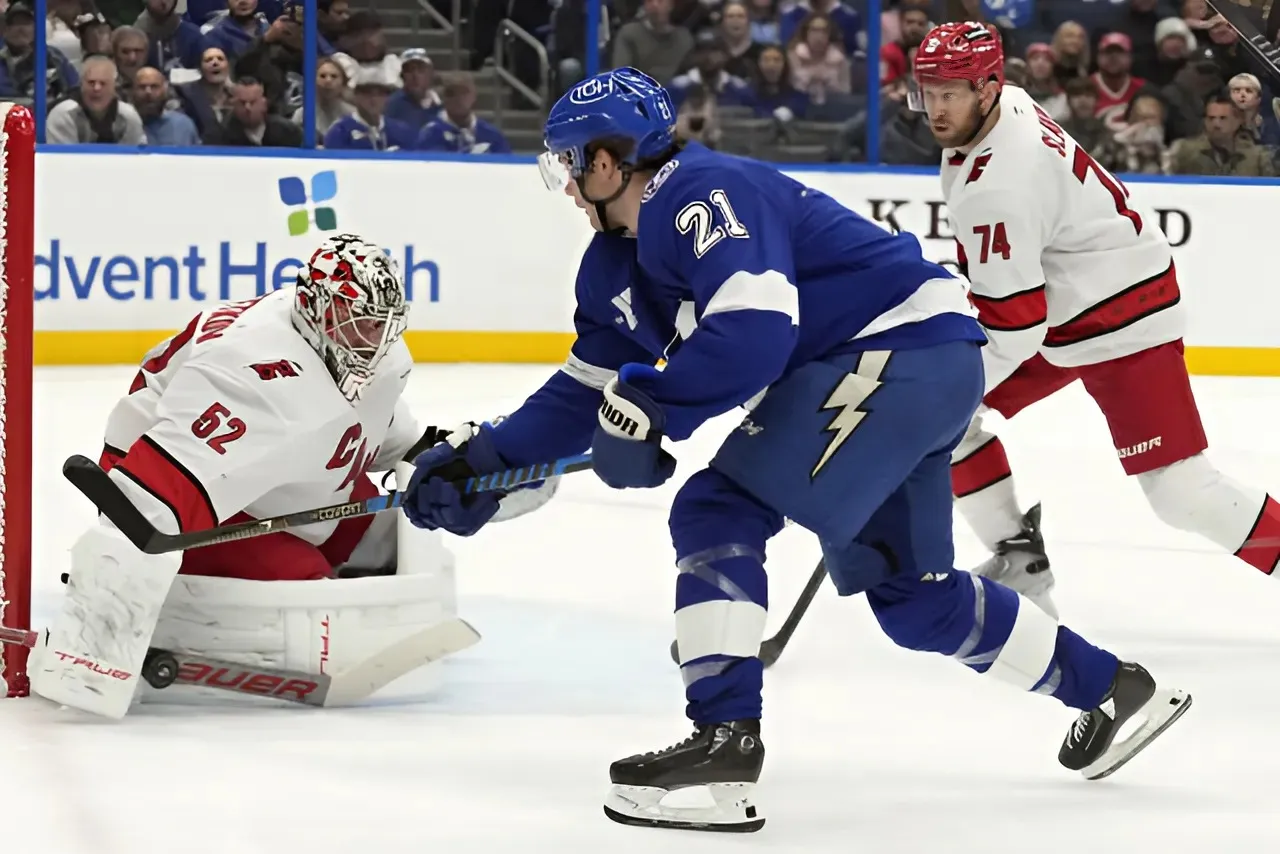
[(872, 749)]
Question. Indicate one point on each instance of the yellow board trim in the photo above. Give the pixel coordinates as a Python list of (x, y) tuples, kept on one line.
[(120, 347)]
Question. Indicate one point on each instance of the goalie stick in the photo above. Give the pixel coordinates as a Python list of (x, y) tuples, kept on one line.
[(772, 648), (163, 668), (96, 485)]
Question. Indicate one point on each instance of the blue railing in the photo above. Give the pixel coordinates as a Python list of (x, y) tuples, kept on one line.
[(593, 62)]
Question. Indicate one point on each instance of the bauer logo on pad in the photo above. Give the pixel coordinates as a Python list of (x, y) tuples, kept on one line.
[(311, 209)]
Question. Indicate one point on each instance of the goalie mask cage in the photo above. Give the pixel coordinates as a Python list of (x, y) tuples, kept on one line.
[(17, 298)]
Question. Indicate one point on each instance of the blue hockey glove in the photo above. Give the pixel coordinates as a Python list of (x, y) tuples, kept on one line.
[(626, 451), (432, 500)]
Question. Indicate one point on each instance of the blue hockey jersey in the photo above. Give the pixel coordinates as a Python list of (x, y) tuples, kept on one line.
[(738, 275)]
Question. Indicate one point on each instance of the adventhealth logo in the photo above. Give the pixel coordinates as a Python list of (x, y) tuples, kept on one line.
[(324, 188)]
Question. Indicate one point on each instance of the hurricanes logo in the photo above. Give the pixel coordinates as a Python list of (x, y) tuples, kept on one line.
[(312, 209)]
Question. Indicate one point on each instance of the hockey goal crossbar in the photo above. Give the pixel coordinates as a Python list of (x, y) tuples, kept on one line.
[(96, 485)]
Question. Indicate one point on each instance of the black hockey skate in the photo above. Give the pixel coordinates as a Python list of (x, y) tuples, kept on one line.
[(1020, 563), (724, 758), (1090, 746)]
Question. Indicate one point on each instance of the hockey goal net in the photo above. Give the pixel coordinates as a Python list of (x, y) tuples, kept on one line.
[(17, 300)]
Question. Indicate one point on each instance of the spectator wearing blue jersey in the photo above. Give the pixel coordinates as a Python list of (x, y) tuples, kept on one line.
[(458, 129), (772, 90), (368, 128), (844, 17), (173, 41), (765, 28), (18, 60), (207, 13), (708, 72), (242, 26), (163, 127), (416, 102), (332, 19)]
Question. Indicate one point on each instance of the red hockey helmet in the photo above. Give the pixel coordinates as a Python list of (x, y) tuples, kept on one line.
[(959, 51)]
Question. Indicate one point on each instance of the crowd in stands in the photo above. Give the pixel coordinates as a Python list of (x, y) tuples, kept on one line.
[(229, 73), (1144, 87)]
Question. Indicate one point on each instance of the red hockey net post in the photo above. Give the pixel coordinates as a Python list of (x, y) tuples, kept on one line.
[(17, 309)]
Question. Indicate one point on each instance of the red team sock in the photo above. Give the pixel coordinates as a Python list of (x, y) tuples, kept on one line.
[(1261, 549)]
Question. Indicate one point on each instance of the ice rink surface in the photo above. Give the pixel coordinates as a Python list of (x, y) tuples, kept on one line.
[(871, 749)]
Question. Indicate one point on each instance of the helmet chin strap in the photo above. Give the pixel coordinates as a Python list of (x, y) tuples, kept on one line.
[(978, 128), (600, 203)]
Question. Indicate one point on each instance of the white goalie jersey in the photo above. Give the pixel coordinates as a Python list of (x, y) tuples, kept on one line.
[(237, 413), (1063, 262)]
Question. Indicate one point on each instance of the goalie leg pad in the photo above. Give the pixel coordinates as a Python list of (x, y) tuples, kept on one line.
[(320, 627), (95, 649)]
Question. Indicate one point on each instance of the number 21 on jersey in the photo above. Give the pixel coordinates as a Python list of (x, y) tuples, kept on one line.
[(698, 219)]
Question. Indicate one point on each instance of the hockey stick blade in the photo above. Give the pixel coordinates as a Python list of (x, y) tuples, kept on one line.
[(96, 485), (771, 648), (295, 686), (319, 689)]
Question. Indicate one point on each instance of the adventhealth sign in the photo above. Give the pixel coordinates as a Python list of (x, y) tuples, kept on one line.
[(490, 256), (226, 270), (221, 271)]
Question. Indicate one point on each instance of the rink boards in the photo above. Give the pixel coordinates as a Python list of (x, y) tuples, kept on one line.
[(490, 255)]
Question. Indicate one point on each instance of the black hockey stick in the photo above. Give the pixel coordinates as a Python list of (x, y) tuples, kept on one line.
[(772, 647), (98, 487)]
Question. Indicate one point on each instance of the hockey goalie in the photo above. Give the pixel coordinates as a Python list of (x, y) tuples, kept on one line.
[(291, 401)]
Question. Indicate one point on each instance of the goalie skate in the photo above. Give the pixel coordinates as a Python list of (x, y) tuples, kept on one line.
[(721, 760), (1091, 746)]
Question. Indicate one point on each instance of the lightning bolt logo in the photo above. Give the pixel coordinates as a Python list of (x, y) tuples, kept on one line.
[(847, 399)]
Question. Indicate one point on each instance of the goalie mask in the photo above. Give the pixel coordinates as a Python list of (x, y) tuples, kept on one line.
[(350, 306)]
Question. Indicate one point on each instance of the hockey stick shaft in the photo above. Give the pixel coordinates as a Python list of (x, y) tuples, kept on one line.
[(99, 488), (771, 648)]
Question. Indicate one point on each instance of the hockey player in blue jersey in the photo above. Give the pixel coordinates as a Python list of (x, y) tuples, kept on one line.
[(858, 363)]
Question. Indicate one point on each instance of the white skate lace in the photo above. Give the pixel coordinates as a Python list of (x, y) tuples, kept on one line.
[(1078, 729)]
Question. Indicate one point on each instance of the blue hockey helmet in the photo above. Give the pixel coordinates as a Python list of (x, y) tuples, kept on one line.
[(620, 104)]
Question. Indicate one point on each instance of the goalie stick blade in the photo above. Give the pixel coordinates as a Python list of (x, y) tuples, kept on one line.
[(316, 689), (375, 673), (96, 485)]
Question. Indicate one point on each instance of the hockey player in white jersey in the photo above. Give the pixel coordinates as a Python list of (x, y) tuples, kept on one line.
[(258, 408), (1072, 280)]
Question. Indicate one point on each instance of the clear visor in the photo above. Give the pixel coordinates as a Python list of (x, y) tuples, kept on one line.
[(915, 94), (555, 171)]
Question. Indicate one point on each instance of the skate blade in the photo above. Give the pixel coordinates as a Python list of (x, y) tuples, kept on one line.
[(640, 806), (1161, 712)]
